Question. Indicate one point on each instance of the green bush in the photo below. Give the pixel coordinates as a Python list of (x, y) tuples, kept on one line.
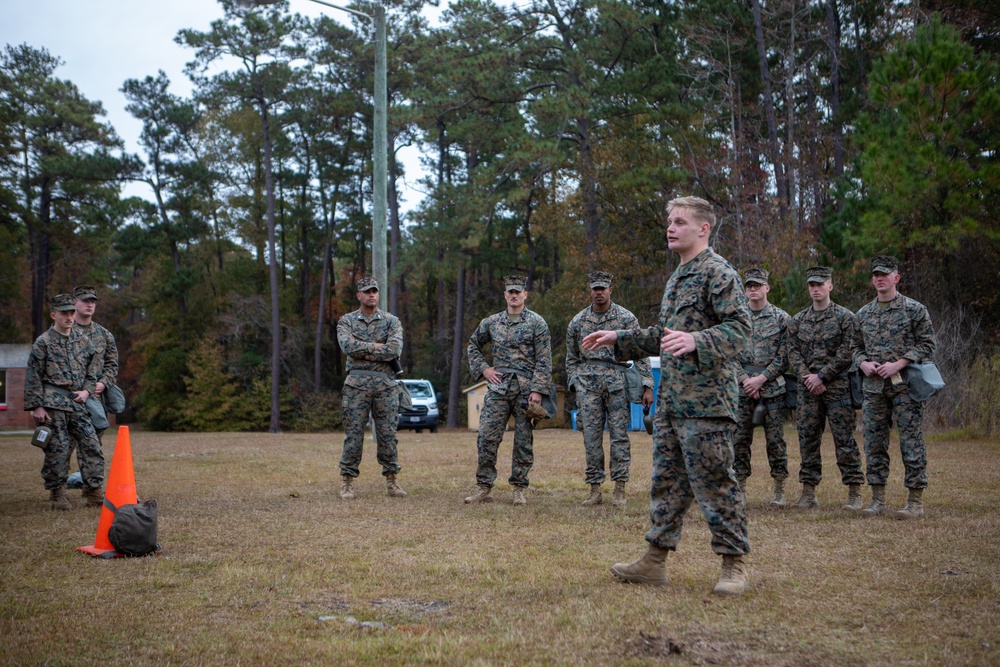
[(317, 413), (984, 394)]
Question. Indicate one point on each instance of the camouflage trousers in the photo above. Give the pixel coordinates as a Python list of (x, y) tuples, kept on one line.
[(878, 414), (693, 460), (774, 434), (813, 413), (596, 408), (383, 405), (72, 430), (497, 409)]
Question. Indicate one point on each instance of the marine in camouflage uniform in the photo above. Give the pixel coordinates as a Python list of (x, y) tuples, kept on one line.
[(103, 340), (703, 324), (601, 396), (820, 340), (893, 331), (762, 384), (63, 362), (372, 339), (521, 371)]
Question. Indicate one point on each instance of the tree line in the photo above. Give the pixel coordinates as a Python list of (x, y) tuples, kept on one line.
[(552, 133)]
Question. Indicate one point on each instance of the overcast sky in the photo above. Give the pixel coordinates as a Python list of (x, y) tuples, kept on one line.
[(105, 42)]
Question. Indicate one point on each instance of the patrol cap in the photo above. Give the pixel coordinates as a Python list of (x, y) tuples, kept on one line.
[(63, 302), (367, 284), (599, 279), (514, 283), (85, 293), (819, 274), (884, 264), (756, 275)]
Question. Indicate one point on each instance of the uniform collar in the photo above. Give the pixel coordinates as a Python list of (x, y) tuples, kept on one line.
[(695, 263), (602, 315), (894, 302)]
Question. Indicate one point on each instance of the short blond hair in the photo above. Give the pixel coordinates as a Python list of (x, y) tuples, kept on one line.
[(701, 208)]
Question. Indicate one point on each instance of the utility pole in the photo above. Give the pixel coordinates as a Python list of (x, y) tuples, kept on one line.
[(380, 152), (380, 159)]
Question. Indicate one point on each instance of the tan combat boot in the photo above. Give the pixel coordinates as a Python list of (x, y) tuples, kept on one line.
[(778, 499), (650, 569), (519, 498), (595, 497), (854, 502), (877, 505), (347, 488), (808, 499), (618, 496), (733, 580), (392, 489), (59, 499), (482, 495), (93, 496), (914, 508)]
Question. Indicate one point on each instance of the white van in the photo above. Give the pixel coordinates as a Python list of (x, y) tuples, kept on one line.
[(424, 413)]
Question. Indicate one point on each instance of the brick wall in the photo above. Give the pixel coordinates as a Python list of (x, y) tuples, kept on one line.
[(12, 414)]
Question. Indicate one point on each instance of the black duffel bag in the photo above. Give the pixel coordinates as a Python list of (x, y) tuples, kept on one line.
[(133, 530)]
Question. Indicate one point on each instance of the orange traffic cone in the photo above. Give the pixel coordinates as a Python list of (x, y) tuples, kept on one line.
[(120, 491)]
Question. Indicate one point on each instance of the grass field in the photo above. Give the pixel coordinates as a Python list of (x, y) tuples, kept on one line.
[(263, 564)]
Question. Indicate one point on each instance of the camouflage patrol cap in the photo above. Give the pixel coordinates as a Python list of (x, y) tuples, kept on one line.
[(85, 293), (63, 302), (367, 284), (514, 282), (884, 264), (599, 279), (756, 275), (819, 274)]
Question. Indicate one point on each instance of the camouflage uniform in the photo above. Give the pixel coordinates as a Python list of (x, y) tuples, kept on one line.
[(696, 403), (820, 342), (370, 387), (522, 353), (103, 341), (901, 330), (105, 348), (599, 383), (60, 364), (764, 351)]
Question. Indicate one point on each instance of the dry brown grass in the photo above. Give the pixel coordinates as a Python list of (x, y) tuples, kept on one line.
[(263, 564)]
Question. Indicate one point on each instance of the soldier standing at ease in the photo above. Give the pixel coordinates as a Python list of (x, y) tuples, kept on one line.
[(520, 374), (372, 339), (601, 394), (62, 373), (820, 340), (103, 340), (704, 322), (762, 385), (893, 332)]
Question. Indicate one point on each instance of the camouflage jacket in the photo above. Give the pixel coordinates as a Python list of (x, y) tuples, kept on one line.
[(820, 341), (766, 349), (902, 331), (357, 336), (105, 347), (521, 342), (67, 362), (592, 377), (705, 298)]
